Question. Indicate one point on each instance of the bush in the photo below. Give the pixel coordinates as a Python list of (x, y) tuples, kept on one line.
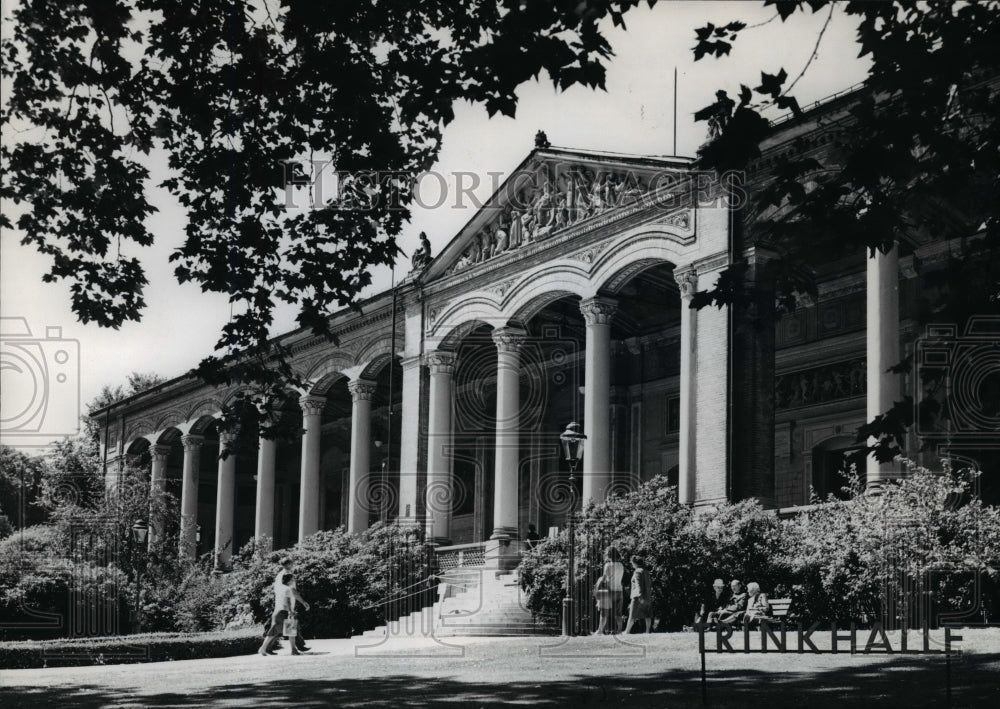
[(201, 601), (41, 590), (838, 560), (924, 530), (147, 647), (347, 579)]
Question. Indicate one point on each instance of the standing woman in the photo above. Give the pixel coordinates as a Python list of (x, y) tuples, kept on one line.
[(611, 583), (640, 606)]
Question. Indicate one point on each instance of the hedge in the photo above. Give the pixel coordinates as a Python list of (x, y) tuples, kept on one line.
[(147, 647)]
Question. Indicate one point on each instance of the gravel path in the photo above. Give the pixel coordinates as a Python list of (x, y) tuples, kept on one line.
[(660, 670)]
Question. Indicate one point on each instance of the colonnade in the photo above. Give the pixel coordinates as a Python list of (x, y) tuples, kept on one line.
[(701, 458), (440, 365)]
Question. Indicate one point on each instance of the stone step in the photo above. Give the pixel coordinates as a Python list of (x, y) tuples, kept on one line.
[(481, 602)]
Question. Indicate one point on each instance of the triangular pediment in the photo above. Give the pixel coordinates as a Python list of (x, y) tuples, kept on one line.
[(552, 193)]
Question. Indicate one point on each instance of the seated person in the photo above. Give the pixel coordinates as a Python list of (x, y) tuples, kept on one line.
[(713, 603), (758, 606), (734, 610)]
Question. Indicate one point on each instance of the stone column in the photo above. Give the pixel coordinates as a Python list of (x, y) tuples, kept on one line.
[(687, 284), (157, 485), (597, 313), (309, 482), (882, 344), (263, 525), (189, 496), (361, 423), (225, 500), (409, 441), (439, 457), (508, 434)]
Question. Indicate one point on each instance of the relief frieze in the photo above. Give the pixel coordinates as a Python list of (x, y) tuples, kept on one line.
[(549, 206), (818, 385)]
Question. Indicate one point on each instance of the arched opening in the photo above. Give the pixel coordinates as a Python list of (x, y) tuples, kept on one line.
[(645, 397), (831, 467), (552, 396), (384, 456), (334, 462), (287, 463), (474, 431), (173, 476)]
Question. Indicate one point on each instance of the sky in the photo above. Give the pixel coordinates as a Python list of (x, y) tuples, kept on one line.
[(634, 115)]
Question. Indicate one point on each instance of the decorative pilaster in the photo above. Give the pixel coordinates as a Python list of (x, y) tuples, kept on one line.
[(687, 285), (157, 484), (439, 433), (225, 501), (597, 312), (712, 346), (508, 435), (263, 525), (309, 483), (409, 441), (751, 468), (189, 496), (882, 346), (361, 422)]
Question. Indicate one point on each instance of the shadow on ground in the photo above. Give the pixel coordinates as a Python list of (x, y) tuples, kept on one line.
[(899, 682)]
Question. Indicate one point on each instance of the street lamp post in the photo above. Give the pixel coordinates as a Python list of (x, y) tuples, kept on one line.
[(140, 531), (572, 443)]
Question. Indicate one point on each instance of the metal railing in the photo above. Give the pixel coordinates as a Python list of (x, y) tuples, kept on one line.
[(461, 556), (784, 118)]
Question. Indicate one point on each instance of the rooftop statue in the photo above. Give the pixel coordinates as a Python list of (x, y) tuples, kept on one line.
[(422, 254)]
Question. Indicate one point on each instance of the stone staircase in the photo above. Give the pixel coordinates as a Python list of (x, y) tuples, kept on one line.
[(478, 602)]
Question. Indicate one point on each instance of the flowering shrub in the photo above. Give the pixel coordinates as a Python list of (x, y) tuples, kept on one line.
[(352, 582), (839, 561), (925, 531)]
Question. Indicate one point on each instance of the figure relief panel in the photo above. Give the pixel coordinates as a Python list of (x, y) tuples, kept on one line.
[(554, 198)]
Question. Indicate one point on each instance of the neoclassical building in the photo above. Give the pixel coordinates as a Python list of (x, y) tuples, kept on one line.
[(565, 298)]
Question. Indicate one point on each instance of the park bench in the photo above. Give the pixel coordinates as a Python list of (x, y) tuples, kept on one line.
[(779, 611)]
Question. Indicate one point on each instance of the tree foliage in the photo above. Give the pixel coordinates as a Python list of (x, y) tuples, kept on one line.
[(72, 546), (20, 486), (232, 93), (135, 383)]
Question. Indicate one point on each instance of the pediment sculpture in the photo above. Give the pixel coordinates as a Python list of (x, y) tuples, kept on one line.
[(540, 210)]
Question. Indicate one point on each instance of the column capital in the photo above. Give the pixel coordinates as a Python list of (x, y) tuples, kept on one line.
[(361, 389), (192, 441), (598, 310), (440, 362), (227, 436), (508, 339), (312, 404), (159, 452), (410, 362), (687, 281)]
